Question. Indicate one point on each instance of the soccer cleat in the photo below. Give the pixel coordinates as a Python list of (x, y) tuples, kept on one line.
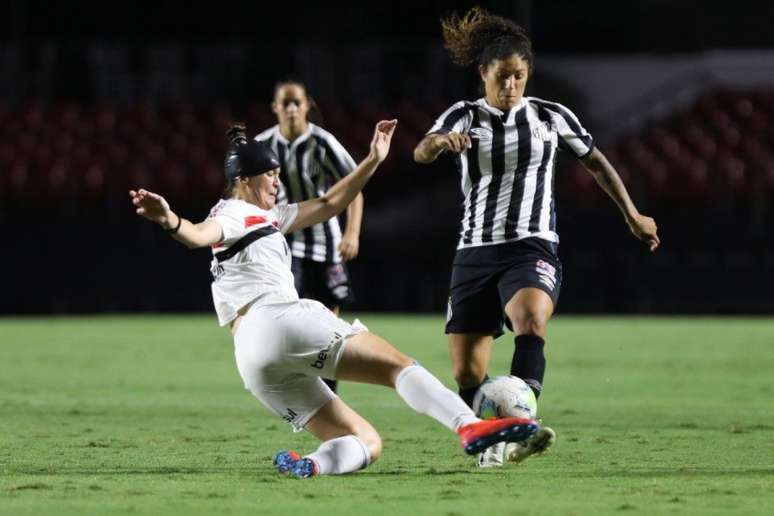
[(492, 457), (478, 436), (305, 468), (539, 443), (285, 460)]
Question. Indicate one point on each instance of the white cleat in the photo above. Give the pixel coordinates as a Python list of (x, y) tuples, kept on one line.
[(537, 444), (493, 456)]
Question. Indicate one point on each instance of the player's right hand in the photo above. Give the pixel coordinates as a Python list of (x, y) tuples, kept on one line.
[(150, 205), (453, 142)]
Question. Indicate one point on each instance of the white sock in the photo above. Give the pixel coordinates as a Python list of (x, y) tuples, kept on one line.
[(341, 455), (427, 395)]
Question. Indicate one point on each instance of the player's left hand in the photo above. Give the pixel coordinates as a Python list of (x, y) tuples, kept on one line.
[(645, 229), (349, 247), (380, 144)]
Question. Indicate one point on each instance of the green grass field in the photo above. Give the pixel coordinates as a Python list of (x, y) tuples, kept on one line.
[(133, 415)]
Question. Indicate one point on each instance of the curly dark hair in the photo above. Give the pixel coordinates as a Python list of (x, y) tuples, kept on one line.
[(481, 37)]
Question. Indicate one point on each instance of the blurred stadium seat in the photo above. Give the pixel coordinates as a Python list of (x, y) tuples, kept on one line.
[(722, 145)]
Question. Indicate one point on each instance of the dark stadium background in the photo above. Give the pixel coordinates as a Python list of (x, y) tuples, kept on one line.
[(96, 98)]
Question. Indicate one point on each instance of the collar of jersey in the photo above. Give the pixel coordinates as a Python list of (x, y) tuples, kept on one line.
[(303, 136), (499, 112)]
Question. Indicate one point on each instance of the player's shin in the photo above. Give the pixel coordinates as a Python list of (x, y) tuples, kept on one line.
[(424, 393), (341, 455), (529, 361)]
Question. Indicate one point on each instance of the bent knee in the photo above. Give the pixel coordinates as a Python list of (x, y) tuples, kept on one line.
[(373, 442), (469, 374), (531, 324)]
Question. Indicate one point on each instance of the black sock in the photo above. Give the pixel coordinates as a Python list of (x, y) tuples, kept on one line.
[(468, 393), (333, 384), (529, 362)]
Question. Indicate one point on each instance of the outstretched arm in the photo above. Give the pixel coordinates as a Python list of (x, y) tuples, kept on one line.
[(155, 208), (342, 193), (642, 226)]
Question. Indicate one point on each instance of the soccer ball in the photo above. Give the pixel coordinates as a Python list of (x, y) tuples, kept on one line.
[(505, 396)]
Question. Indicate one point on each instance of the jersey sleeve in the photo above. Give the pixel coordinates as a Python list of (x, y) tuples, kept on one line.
[(456, 119), (573, 137), (231, 222), (335, 160), (286, 215)]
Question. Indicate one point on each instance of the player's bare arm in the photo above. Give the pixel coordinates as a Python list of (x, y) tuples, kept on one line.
[(155, 208), (350, 240), (432, 145), (604, 173), (342, 193)]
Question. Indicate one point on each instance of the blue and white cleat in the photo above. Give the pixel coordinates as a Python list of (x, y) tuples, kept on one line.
[(285, 460), (305, 468)]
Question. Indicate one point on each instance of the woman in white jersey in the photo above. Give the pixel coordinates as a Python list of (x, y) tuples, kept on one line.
[(506, 268), (283, 344), (311, 160)]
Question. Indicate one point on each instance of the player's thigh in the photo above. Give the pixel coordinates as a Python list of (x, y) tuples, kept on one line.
[(529, 291), (368, 358), (337, 419), (313, 338), (470, 354), (529, 311)]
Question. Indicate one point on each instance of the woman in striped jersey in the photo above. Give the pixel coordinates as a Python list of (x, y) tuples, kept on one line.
[(506, 268), (311, 160)]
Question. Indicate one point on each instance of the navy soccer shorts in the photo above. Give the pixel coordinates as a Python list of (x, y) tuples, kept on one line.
[(485, 278)]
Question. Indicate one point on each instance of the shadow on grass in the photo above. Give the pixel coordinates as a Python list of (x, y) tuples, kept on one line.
[(679, 472), (256, 471)]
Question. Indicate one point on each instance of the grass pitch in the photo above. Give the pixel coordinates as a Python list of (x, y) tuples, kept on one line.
[(147, 415)]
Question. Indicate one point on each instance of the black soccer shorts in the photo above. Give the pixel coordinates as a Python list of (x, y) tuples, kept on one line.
[(328, 283), (485, 278)]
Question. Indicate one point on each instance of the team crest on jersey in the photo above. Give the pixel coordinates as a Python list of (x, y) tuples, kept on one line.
[(542, 132), (546, 274), (481, 133)]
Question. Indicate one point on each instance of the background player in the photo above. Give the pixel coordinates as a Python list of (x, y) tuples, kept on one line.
[(311, 160)]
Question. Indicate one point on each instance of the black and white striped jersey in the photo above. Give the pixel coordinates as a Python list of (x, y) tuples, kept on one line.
[(508, 173), (310, 164)]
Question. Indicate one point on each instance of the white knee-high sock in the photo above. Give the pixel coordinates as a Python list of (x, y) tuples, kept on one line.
[(341, 455), (427, 395)]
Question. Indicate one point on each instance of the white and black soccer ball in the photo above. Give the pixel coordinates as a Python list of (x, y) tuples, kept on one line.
[(505, 396)]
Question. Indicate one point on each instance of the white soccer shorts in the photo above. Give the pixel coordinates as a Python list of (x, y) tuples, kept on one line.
[(281, 352)]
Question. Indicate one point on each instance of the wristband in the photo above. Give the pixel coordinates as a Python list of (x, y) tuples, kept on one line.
[(174, 230)]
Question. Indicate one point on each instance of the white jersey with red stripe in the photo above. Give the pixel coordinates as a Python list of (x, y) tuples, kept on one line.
[(252, 262)]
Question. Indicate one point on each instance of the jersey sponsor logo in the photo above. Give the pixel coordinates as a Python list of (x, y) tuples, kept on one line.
[(542, 132), (481, 133), (323, 355), (217, 270), (252, 220), (290, 415), (543, 267), (546, 273)]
